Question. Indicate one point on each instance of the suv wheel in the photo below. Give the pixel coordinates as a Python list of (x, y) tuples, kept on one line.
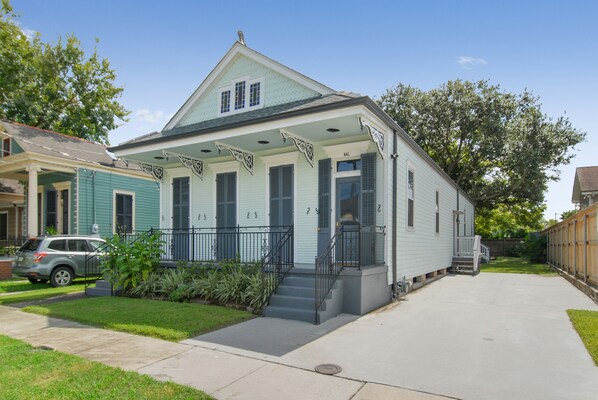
[(37, 280), (61, 276)]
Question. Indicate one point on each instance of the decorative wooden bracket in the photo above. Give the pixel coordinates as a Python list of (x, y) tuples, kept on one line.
[(154, 170), (242, 156), (375, 134), (193, 164), (305, 147)]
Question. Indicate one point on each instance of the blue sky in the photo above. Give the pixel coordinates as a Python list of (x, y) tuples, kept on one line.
[(163, 50)]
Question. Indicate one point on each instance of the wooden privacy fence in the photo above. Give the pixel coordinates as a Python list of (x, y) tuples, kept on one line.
[(573, 246)]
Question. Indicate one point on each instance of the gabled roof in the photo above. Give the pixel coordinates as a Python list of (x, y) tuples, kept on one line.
[(586, 180), (241, 49), (45, 142)]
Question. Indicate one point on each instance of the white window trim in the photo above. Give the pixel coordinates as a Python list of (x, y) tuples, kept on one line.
[(231, 87), (40, 209), (224, 168), (127, 193), (410, 167), (278, 160), (59, 187)]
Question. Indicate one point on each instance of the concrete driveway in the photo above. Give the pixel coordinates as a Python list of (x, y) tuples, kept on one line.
[(493, 336)]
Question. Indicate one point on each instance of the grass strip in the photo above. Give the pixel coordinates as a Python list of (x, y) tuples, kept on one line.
[(159, 319), (23, 285), (29, 373), (585, 323), (515, 265), (40, 293)]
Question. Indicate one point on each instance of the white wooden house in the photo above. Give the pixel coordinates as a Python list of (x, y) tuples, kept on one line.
[(323, 187)]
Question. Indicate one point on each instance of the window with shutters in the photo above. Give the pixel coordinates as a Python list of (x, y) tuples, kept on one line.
[(410, 198)]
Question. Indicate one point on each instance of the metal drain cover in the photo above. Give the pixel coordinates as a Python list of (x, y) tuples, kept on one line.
[(44, 347), (328, 369)]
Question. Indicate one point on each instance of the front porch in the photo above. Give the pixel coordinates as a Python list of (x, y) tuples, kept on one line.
[(349, 276)]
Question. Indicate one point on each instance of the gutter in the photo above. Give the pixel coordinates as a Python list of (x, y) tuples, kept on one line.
[(394, 156)]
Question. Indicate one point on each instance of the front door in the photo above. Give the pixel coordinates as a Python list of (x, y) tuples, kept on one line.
[(348, 192), (226, 215), (180, 218), (281, 202)]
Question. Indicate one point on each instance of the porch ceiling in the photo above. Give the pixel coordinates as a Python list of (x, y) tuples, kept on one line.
[(204, 148)]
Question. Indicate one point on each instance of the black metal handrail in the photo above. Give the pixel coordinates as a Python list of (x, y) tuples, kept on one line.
[(351, 246), (278, 261)]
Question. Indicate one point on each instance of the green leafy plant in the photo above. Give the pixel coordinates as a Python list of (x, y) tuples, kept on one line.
[(534, 248), (51, 230), (128, 264)]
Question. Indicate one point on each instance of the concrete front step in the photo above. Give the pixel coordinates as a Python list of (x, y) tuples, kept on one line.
[(290, 313), (301, 281), (303, 303), (299, 291)]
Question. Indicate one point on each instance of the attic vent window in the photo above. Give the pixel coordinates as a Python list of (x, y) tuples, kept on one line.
[(225, 101), (242, 100)]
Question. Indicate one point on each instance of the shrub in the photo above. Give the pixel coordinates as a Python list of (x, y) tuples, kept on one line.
[(534, 247), (128, 264)]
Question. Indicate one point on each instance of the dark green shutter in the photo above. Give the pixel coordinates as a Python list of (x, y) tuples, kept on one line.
[(368, 189), (324, 183), (324, 176)]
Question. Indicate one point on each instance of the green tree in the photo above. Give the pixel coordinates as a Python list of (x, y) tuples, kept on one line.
[(509, 221), (498, 146), (567, 214), (56, 86)]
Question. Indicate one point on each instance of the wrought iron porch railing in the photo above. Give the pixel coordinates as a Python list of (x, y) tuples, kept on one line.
[(278, 262), (248, 243), (351, 246)]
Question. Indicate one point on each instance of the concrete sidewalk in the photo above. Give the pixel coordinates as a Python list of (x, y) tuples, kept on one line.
[(221, 374)]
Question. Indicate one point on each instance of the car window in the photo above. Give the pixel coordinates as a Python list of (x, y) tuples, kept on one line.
[(77, 245), (96, 244), (58, 245), (30, 245)]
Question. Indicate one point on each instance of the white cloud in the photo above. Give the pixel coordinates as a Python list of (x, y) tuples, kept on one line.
[(152, 117), (29, 33), (467, 62)]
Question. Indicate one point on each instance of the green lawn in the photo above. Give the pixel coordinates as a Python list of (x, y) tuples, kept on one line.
[(28, 373), (160, 319), (515, 265), (32, 292), (586, 324)]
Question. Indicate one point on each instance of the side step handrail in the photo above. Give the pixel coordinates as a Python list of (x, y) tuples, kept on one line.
[(277, 263), (328, 269)]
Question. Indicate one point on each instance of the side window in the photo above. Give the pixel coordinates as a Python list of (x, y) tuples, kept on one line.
[(77, 245), (437, 211), (57, 245), (410, 198)]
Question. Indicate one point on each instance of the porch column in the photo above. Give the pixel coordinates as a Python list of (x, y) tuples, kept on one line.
[(32, 201)]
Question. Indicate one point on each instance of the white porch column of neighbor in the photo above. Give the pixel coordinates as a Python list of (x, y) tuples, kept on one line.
[(32, 201)]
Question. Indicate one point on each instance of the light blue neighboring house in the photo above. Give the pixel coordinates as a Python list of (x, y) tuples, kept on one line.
[(340, 205), (74, 186)]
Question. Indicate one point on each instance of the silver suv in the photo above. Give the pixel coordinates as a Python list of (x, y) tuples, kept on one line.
[(55, 258)]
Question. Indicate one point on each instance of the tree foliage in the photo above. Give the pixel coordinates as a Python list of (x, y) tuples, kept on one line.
[(509, 221), (56, 86), (498, 146)]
